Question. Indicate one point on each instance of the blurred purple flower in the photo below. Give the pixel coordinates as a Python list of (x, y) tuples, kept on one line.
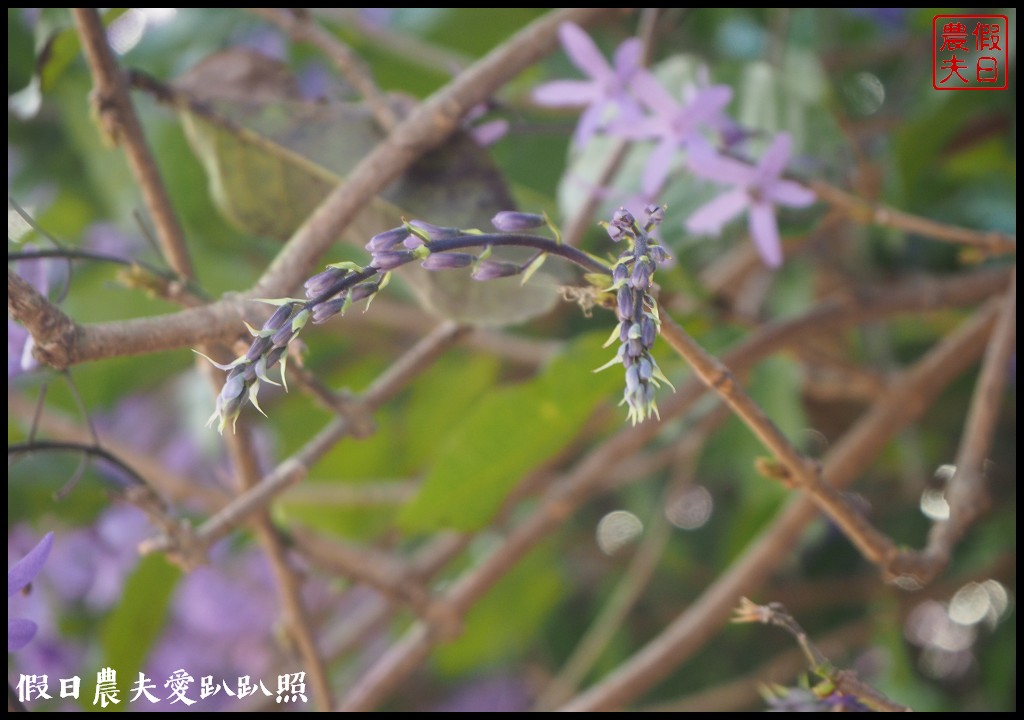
[(19, 630), (673, 124), (92, 562), (488, 694), (107, 238), (221, 623), (19, 342), (487, 132), (758, 188), (606, 92)]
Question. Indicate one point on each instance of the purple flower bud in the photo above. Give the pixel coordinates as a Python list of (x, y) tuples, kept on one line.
[(633, 378), (511, 221), (624, 298), (387, 239), (648, 331), (491, 270), (390, 259), (326, 310), (624, 219), (448, 261), (641, 277), (616, 233), (624, 329), (620, 272), (655, 215), (412, 242), (634, 348), (657, 254), (279, 317), (233, 387), (283, 336), (249, 374), (428, 231), (322, 281), (363, 291), (275, 355), (645, 369), (259, 346)]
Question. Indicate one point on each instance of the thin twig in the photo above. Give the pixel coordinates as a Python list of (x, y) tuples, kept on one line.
[(573, 489), (796, 468), (120, 124), (743, 693), (295, 468), (995, 243), (385, 572), (638, 574), (300, 26), (845, 682), (967, 492), (175, 487), (171, 287), (286, 580), (912, 393)]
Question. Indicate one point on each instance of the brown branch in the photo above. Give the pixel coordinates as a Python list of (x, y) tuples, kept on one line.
[(791, 466), (588, 473), (384, 572), (300, 26), (966, 493), (995, 243), (175, 487), (743, 693), (911, 395), (120, 125), (638, 574), (845, 682), (52, 331), (348, 495), (243, 457), (425, 128)]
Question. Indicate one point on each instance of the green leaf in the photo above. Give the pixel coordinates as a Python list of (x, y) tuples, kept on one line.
[(272, 158), (510, 432), (509, 617), (131, 629)]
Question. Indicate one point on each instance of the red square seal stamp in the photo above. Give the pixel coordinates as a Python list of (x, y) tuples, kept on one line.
[(970, 52)]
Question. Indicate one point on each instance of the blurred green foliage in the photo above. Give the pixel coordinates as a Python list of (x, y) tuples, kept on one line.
[(472, 425)]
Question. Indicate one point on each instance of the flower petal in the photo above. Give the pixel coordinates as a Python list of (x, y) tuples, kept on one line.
[(627, 57), (583, 52), (566, 93), (710, 217), (705, 163), (649, 91), (659, 165), (23, 571), (791, 194), (19, 632), (775, 158), (588, 125), (764, 231)]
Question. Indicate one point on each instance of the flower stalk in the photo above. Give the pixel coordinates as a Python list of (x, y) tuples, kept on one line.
[(340, 285)]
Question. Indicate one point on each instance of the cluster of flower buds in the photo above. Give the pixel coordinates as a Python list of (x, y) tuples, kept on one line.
[(343, 284), (637, 309), (327, 294)]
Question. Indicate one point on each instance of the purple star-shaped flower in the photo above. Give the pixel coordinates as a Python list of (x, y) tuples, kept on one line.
[(673, 124), (607, 92), (757, 187), (19, 630)]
